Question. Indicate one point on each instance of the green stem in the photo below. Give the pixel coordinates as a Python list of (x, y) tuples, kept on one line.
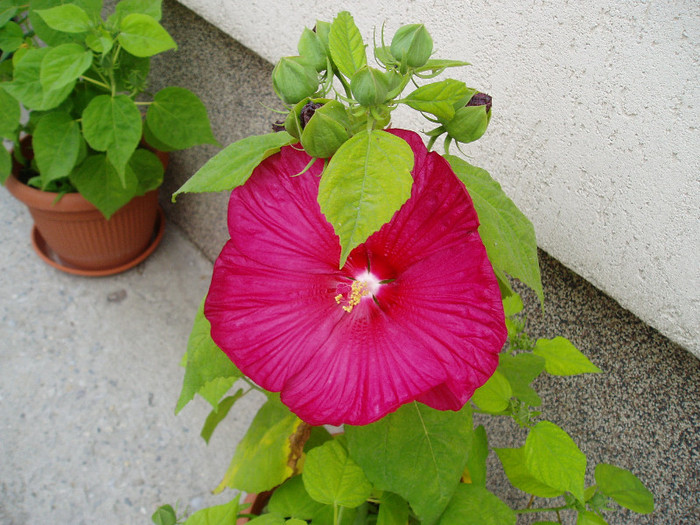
[(96, 82), (143, 103)]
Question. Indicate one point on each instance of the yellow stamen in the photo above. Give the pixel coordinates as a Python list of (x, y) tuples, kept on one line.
[(358, 290)]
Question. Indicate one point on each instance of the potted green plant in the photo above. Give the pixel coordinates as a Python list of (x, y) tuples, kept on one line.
[(367, 284), (92, 128)]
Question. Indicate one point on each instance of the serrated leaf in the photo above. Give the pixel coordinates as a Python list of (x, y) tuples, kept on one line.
[(233, 165), (9, 115), (217, 515), (333, 478), (11, 37), (26, 84), (142, 36), (67, 18), (624, 487), (586, 517), (209, 372), (365, 183), (508, 235), (346, 46), (475, 471), (151, 8), (474, 505), (521, 370), (437, 98), (113, 124), (217, 415), (62, 65), (98, 181), (260, 461), (179, 119), (562, 358), (553, 458), (56, 142), (5, 165), (494, 395), (513, 461), (292, 500), (416, 452)]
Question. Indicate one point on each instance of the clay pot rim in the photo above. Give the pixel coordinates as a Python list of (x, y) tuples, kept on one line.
[(47, 200)]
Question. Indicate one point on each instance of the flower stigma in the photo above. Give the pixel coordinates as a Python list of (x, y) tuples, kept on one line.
[(364, 285)]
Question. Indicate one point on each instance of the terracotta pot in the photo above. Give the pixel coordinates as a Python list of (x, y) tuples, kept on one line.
[(71, 234)]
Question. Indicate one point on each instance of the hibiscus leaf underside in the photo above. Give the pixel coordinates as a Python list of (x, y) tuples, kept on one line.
[(412, 452), (365, 183), (233, 165), (508, 235)]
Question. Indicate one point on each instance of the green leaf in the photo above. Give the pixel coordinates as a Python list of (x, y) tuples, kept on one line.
[(142, 36), (151, 8), (562, 358), (292, 500), (512, 305), (416, 452), (8, 9), (365, 183), (218, 515), (346, 46), (209, 372), (474, 505), (508, 235), (437, 98), (476, 459), (5, 165), (331, 477), (513, 461), (62, 65), (494, 395), (261, 459), (11, 37), (393, 510), (624, 487), (553, 458), (164, 515), (9, 115), (113, 124), (233, 165), (26, 85), (147, 168), (67, 18), (56, 142), (435, 64), (521, 370), (586, 517), (268, 519), (98, 181), (99, 41), (217, 415), (179, 119)]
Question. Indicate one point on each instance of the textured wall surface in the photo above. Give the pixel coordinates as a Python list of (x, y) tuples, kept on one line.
[(594, 133)]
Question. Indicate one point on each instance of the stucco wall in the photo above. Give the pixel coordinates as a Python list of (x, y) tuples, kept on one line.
[(594, 133)]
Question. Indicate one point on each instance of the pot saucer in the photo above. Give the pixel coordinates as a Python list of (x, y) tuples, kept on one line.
[(49, 257)]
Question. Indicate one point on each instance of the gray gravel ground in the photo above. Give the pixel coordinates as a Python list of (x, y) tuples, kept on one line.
[(89, 378)]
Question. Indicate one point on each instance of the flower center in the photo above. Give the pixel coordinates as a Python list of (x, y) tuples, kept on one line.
[(350, 296)]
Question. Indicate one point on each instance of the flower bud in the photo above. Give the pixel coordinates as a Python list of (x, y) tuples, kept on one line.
[(471, 120), (326, 130), (369, 86), (412, 45), (294, 79), (311, 49)]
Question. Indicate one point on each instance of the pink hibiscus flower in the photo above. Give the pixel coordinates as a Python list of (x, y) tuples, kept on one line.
[(415, 313)]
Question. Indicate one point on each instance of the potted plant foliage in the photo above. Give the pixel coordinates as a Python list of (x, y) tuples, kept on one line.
[(88, 163), (366, 285)]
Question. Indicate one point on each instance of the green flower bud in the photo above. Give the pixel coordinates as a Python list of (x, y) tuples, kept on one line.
[(294, 79), (471, 120), (326, 130), (369, 86), (311, 48), (412, 45)]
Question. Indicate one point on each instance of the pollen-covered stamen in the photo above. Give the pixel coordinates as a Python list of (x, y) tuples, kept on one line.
[(351, 295)]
